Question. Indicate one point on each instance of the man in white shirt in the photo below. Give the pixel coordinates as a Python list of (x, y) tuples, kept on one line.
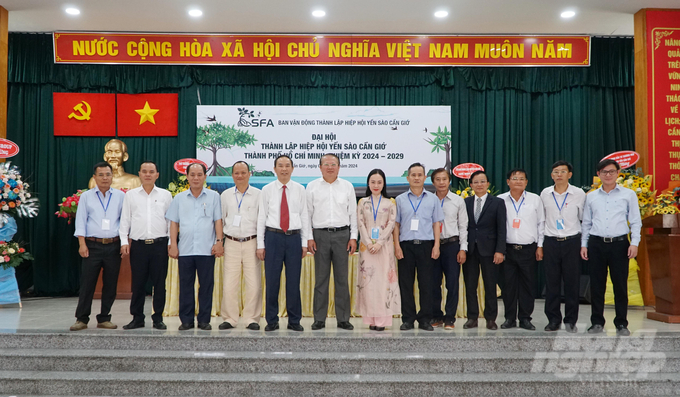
[(525, 221), (332, 206), (239, 214), (452, 248), (282, 234), (563, 205), (144, 236)]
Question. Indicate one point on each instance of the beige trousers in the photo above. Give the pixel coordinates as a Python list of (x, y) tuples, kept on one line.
[(241, 257)]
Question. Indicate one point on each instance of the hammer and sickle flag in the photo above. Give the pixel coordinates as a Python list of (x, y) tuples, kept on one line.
[(147, 115), (79, 114)]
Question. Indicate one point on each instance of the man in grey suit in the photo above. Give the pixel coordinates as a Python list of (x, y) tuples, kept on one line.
[(332, 207)]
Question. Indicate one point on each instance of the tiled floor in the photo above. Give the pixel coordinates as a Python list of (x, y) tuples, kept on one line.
[(57, 315)]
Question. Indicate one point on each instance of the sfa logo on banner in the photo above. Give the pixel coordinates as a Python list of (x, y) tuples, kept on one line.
[(387, 137)]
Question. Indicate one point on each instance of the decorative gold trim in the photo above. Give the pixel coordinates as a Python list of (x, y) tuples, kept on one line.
[(658, 35)]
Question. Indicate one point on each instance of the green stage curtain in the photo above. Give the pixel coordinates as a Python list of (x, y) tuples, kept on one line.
[(501, 118)]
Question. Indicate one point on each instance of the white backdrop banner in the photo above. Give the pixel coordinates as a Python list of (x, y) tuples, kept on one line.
[(363, 137)]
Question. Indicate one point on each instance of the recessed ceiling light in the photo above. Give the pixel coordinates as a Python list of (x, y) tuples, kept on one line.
[(567, 14), (441, 14), (72, 11), (319, 13), (195, 13)]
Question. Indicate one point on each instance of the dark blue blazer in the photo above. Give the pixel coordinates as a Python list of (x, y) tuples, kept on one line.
[(489, 234)]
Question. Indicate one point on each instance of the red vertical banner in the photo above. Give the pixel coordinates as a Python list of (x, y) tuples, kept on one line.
[(79, 114), (663, 95), (147, 115)]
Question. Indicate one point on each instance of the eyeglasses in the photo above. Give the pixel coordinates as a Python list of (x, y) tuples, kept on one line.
[(609, 172), (518, 179), (559, 172), (329, 164)]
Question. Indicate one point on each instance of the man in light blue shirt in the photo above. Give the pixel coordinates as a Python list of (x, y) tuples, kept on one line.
[(604, 243), (197, 214), (97, 221), (416, 234)]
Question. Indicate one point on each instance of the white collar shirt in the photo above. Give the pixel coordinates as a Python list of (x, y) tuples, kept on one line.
[(455, 219), (143, 215), (270, 210), (242, 207), (332, 204), (571, 203), (525, 218)]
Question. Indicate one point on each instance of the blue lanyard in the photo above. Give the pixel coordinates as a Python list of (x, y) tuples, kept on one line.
[(375, 210), (564, 201), (443, 202), (520, 204), (242, 196), (415, 209), (102, 203)]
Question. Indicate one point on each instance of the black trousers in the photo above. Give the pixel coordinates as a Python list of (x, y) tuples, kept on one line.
[(471, 268), (104, 257), (562, 263), (519, 271), (187, 268), (446, 266), (280, 249), (416, 256), (614, 256), (148, 262)]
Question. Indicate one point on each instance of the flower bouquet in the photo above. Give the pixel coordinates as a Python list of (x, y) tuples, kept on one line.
[(11, 254), (15, 199), (667, 203), (69, 206)]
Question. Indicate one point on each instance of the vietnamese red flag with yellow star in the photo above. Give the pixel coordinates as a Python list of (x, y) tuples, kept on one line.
[(147, 115), (80, 114)]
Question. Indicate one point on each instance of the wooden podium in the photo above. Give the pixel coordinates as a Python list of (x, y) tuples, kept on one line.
[(663, 247)]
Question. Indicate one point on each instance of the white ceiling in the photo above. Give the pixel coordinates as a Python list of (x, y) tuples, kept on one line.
[(595, 17)]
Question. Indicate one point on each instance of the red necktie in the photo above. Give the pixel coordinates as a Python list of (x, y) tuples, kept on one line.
[(284, 210)]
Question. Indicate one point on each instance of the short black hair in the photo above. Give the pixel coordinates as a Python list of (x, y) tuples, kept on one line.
[(101, 164), (415, 165), (205, 171), (561, 163), (284, 156), (515, 171), (437, 171), (607, 162), (329, 154), (148, 162), (239, 162), (478, 172)]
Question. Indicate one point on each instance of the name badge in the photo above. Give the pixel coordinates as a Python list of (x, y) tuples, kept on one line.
[(560, 224), (237, 220), (515, 223), (106, 224), (375, 233), (414, 224)]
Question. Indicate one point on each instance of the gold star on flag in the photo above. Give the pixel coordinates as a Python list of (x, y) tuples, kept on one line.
[(147, 114)]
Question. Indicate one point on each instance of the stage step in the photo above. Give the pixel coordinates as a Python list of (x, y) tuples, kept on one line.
[(134, 363)]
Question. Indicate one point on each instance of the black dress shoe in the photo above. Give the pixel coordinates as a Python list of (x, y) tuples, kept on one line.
[(225, 325), (272, 326), (133, 324), (571, 328), (345, 325), (296, 327), (426, 326), (526, 324), (371, 327), (622, 330), (509, 324), (470, 323), (595, 329), (491, 324), (253, 326), (552, 327), (160, 325), (205, 326), (379, 328), (317, 325), (186, 326), (406, 326)]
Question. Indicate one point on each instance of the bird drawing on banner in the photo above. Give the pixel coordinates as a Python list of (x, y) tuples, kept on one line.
[(204, 131), (258, 114), (425, 130), (213, 118), (394, 128)]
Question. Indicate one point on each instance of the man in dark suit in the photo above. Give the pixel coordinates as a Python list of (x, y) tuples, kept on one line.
[(486, 249)]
